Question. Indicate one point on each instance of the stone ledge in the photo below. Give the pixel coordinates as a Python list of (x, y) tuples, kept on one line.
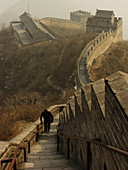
[(3, 147)]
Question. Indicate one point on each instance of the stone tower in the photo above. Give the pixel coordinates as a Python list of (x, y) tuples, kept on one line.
[(79, 16), (104, 20)]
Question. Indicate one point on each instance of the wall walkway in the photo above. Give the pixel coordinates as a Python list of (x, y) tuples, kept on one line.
[(44, 154), (7, 149), (94, 49)]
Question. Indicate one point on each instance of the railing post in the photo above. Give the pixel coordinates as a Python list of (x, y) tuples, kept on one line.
[(23, 148), (29, 147), (24, 154), (68, 148), (37, 134), (15, 166), (58, 141), (88, 156)]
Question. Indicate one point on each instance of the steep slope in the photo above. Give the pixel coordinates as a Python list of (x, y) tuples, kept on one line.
[(63, 27), (114, 59), (24, 89)]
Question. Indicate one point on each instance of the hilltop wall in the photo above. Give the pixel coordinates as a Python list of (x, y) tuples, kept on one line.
[(80, 16), (51, 31), (62, 20), (96, 112), (94, 49), (63, 27)]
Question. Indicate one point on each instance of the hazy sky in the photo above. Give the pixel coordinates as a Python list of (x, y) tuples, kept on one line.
[(118, 6)]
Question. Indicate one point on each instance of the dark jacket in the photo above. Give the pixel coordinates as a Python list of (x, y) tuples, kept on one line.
[(48, 118)]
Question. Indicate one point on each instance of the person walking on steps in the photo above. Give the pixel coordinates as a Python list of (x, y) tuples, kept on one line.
[(48, 119)]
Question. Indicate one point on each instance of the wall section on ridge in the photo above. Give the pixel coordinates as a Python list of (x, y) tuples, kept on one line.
[(94, 49)]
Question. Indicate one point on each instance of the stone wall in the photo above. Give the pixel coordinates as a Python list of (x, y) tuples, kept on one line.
[(29, 31), (61, 20), (61, 28), (80, 16), (97, 112), (8, 148), (94, 49), (103, 21), (21, 35), (101, 44), (51, 31)]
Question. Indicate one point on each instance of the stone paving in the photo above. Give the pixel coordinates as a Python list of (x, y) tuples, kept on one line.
[(44, 155), (22, 33)]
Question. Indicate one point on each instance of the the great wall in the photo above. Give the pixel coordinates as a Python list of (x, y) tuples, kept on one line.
[(93, 124), (95, 48), (29, 31)]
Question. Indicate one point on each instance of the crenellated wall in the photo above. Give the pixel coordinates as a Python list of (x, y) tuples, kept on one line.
[(94, 49), (98, 111), (62, 20), (80, 16)]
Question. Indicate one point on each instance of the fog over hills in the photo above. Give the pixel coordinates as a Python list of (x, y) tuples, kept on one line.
[(40, 9), (61, 9)]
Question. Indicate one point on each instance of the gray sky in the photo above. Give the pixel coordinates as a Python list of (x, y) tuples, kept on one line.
[(61, 8)]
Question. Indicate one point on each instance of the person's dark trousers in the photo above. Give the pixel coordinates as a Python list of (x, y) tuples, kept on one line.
[(47, 127)]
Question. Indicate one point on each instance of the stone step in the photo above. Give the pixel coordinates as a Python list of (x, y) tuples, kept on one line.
[(56, 120), (45, 157), (60, 168), (50, 136), (44, 153), (44, 146), (50, 164), (54, 168), (47, 141)]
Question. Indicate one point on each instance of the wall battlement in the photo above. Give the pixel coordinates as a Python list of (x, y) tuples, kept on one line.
[(94, 49), (80, 16), (62, 20), (98, 111), (104, 21)]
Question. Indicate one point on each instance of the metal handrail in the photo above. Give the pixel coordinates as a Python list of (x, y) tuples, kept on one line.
[(13, 160), (35, 134), (88, 141), (13, 163), (124, 153)]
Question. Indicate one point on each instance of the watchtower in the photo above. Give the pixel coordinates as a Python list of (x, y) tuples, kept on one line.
[(79, 16), (104, 20)]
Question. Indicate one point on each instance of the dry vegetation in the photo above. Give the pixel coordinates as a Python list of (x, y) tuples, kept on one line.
[(24, 71), (114, 59), (64, 28)]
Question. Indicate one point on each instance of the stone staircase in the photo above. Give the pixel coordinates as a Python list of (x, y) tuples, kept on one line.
[(44, 155)]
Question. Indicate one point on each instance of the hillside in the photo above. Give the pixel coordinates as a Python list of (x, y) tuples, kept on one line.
[(114, 59), (62, 27), (35, 77)]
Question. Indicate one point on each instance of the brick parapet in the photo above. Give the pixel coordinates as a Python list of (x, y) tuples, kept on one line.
[(62, 20), (109, 127), (94, 49)]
